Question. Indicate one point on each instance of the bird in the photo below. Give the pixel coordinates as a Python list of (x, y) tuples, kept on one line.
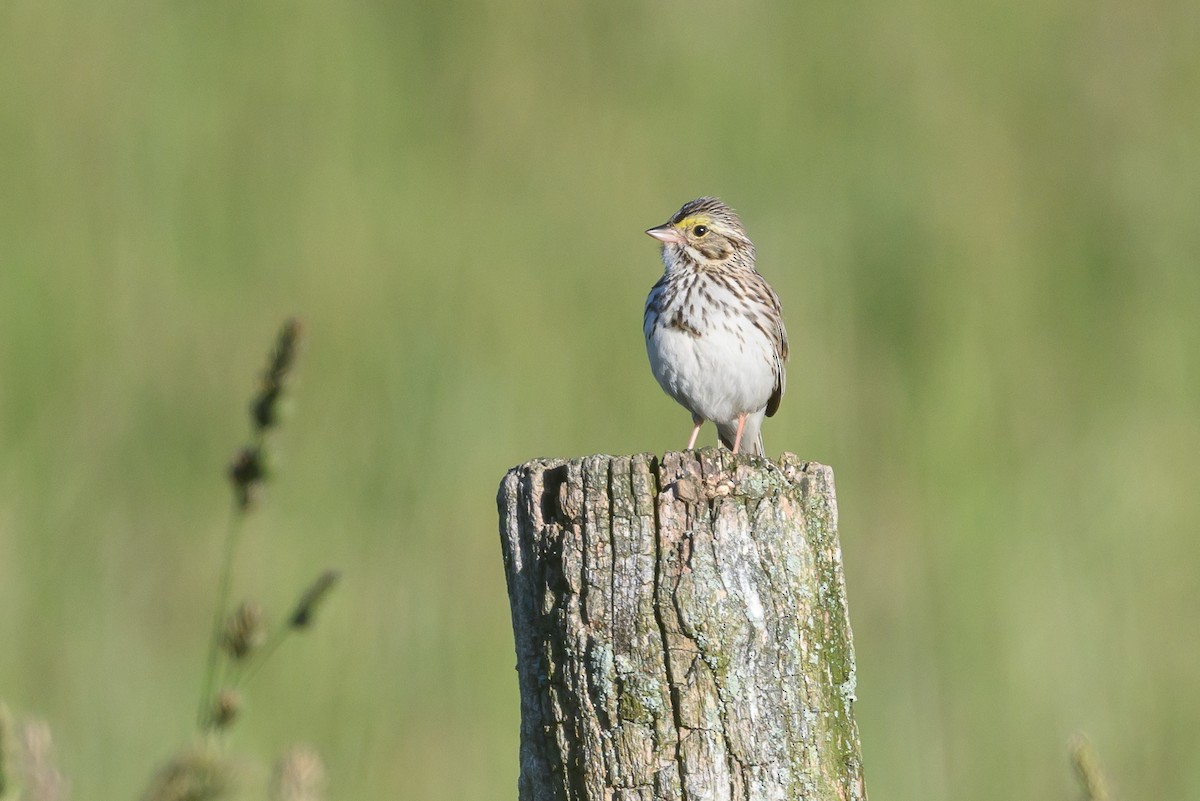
[(714, 327)]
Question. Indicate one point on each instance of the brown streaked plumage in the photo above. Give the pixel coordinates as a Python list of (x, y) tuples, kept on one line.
[(714, 327)]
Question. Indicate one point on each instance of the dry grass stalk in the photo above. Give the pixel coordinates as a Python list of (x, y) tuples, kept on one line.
[(197, 774), (311, 600), (1089, 770), (299, 776), (244, 631), (42, 780), (264, 410), (226, 708), (247, 472)]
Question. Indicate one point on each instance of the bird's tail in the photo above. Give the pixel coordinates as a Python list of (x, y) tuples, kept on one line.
[(752, 441)]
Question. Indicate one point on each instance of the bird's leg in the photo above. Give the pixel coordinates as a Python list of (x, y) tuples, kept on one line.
[(699, 421), (737, 441)]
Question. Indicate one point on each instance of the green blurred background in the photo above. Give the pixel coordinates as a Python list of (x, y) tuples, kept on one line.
[(981, 219)]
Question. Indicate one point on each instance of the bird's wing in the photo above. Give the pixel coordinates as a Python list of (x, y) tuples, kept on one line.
[(781, 356)]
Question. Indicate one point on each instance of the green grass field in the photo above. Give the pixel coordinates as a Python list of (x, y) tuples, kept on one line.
[(982, 220)]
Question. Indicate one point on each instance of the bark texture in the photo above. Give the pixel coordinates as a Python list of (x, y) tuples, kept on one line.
[(681, 629)]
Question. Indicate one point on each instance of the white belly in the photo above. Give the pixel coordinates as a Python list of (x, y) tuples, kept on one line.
[(720, 375)]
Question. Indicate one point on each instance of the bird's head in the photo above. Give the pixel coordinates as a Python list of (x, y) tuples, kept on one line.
[(705, 230)]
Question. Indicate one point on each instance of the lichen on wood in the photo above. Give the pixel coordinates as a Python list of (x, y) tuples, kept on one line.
[(681, 629)]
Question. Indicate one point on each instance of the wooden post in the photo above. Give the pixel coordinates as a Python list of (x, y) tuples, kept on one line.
[(681, 629)]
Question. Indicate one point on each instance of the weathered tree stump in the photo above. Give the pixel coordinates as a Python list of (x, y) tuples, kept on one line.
[(681, 629)]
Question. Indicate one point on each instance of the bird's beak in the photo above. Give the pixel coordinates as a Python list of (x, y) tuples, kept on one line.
[(667, 233)]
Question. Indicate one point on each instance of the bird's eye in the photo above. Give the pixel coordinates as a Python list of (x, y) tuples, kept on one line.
[(700, 230)]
